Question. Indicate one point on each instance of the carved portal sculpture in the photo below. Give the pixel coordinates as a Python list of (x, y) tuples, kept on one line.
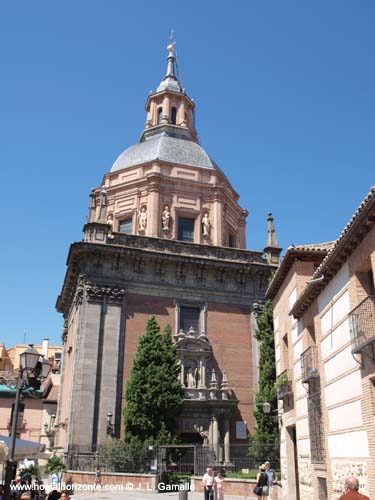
[(191, 377), (110, 224), (166, 219), (206, 225), (142, 220)]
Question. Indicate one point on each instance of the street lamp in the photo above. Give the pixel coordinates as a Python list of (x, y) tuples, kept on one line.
[(33, 369), (267, 408), (110, 427), (50, 430)]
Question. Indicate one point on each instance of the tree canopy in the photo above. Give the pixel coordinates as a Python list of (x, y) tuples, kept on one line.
[(266, 431), (154, 394)]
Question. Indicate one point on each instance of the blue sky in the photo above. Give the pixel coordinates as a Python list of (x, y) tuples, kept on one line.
[(285, 105)]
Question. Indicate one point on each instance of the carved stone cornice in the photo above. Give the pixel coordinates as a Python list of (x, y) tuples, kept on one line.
[(96, 293), (189, 249), (215, 270)]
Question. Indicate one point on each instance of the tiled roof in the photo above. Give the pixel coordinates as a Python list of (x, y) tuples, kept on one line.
[(339, 252), (312, 251), (314, 247)]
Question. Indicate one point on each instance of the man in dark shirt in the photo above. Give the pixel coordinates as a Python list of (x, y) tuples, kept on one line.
[(351, 490)]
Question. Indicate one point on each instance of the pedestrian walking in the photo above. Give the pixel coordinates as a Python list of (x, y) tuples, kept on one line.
[(261, 488), (351, 487), (208, 484), (98, 478), (272, 478), (219, 486)]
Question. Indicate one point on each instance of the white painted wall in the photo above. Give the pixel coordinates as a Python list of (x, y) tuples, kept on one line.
[(334, 287), (335, 313), (276, 323), (345, 416), (303, 446), (297, 369), (346, 388), (301, 407), (300, 390), (297, 350), (336, 339), (348, 445), (292, 298), (295, 332), (339, 364), (277, 353), (302, 427)]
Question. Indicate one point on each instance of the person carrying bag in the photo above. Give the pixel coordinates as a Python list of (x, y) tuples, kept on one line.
[(261, 488)]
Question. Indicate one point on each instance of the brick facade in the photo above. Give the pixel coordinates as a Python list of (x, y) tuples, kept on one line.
[(328, 282)]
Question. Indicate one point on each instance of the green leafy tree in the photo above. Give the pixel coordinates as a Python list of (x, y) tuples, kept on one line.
[(265, 439), (29, 473), (55, 464), (154, 395)]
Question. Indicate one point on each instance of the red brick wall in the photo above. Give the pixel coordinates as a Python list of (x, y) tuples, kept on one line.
[(228, 328), (144, 482), (235, 487)]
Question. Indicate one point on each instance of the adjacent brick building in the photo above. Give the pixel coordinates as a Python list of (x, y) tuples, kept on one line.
[(324, 322), (164, 236)]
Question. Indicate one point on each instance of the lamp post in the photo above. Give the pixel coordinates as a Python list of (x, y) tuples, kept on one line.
[(110, 426), (33, 369), (267, 410), (50, 430)]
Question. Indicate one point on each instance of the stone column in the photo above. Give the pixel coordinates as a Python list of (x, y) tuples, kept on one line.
[(166, 110), (181, 114), (153, 206), (110, 384), (215, 437), (217, 231), (202, 372), (226, 441), (182, 376), (82, 404)]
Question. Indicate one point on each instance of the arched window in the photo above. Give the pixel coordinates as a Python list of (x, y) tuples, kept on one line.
[(173, 116), (160, 111)]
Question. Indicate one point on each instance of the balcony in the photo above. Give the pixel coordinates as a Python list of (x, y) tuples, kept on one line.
[(362, 326), (284, 385), (309, 365)]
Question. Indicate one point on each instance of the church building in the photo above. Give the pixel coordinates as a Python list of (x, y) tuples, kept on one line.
[(164, 236)]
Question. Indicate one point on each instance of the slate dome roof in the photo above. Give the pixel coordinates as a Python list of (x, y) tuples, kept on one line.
[(165, 146)]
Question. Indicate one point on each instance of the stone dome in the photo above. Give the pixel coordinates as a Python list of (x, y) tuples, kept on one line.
[(165, 146)]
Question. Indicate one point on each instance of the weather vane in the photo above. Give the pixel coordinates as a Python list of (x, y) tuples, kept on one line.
[(172, 41)]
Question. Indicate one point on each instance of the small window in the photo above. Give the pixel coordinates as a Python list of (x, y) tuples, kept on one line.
[(173, 116), (186, 229), (231, 241), (189, 318), (126, 226), (21, 411), (57, 356), (160, 111)]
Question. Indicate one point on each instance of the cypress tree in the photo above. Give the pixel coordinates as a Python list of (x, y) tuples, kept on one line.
[(265, 440), (154, 395)]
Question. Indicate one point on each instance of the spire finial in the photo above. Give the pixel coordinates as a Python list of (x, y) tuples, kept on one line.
[(271, 238), (171, 80), (272, 249), (171, 57)]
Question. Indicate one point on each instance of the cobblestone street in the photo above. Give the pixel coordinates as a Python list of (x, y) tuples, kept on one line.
[(143, 495)]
